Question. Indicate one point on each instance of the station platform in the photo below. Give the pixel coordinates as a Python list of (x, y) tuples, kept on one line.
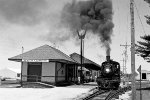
[(72, 92)]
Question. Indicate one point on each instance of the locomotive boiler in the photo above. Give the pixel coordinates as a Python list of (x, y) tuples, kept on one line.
[(109, 77)]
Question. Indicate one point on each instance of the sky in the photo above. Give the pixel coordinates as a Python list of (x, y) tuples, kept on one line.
[(33, 23)]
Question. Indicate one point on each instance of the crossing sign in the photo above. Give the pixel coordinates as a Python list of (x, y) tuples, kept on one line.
[(139, 69)]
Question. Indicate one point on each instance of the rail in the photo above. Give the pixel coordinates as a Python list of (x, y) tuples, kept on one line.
[(106, 94), (94, 94), (114, 94)]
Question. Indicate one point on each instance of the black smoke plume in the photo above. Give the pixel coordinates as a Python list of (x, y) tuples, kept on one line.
[(92, 15)]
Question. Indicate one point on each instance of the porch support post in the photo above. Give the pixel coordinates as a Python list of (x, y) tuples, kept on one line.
[(21, 72), (55, 73)]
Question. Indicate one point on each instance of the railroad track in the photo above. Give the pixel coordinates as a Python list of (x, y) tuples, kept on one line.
[(95, 94), (107, 94), (116, 93)]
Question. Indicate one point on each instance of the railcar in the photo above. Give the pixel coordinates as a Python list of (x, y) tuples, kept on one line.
[(109, 77)]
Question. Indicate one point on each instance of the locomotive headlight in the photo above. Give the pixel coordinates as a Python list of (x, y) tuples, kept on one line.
[(107, 70)]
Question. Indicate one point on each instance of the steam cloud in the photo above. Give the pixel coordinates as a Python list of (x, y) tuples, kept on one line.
[(92, 15)]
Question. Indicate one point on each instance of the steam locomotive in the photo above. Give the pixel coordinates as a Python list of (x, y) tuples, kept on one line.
[(109, 77)]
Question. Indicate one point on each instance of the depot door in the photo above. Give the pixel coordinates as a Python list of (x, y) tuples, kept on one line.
[(34, 72), (70, 73)]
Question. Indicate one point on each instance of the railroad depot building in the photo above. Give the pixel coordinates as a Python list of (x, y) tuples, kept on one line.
[(50, 65), (46, 64)]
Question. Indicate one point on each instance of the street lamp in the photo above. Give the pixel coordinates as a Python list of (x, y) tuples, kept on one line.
[(81, 35)]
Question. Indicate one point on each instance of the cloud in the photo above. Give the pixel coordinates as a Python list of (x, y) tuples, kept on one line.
[(22, 11), (34, 16), (56, 36), (33, 13)]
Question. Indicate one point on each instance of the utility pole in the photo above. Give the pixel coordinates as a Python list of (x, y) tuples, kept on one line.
[(123, 72), (123, 67), (132, 50), (125, 56), (125, 53)]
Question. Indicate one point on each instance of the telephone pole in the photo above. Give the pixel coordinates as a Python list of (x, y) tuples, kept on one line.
[(123, 71), (123, 67), (125, 55), (132, 50)]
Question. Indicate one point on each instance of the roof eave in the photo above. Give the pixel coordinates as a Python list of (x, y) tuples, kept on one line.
[(60, 60), (63, 60), (17, 60), (93, 67)]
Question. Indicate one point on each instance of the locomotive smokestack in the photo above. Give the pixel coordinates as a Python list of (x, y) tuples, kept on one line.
[(108, 58)]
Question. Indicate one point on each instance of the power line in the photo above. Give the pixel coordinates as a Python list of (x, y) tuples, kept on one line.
[(139, 18), (118, 15), (127, 18)]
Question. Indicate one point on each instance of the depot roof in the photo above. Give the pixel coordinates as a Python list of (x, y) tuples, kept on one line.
[(89, 64), (43, 53)]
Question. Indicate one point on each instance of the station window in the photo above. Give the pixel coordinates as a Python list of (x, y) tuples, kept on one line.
[(143, 75), (18, 75)]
